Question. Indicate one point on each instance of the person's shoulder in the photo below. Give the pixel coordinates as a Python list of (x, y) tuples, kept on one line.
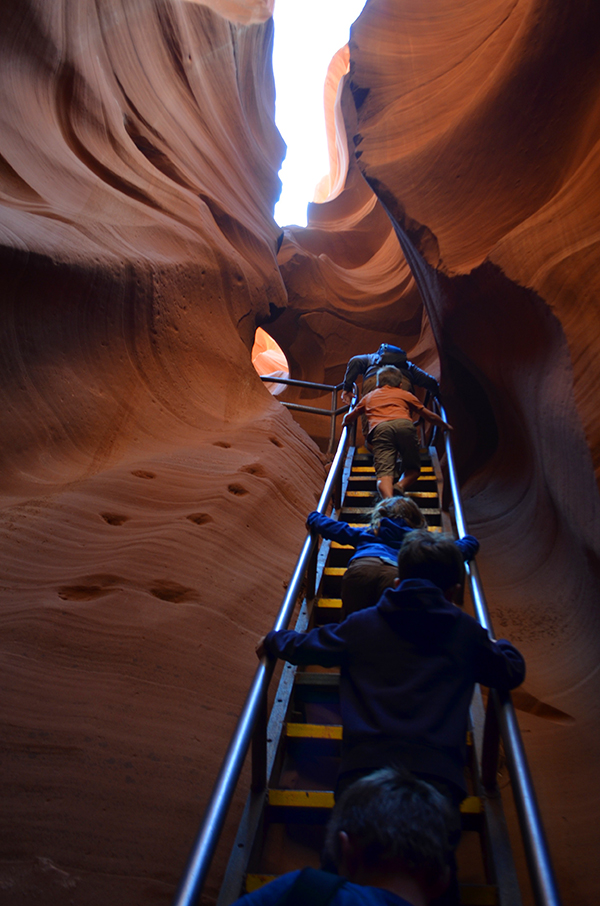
[(407, 395), (269, 894), (362, 895)]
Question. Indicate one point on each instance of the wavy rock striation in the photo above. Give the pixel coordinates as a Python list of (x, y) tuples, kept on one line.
[(144, 466)]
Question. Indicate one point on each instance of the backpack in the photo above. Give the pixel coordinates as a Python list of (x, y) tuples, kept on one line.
[(392, 355)]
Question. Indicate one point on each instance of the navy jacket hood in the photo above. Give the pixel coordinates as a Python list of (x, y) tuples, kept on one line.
[(418, 610)]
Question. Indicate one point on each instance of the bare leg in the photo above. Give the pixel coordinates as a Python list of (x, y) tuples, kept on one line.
[(406, 480), (385, 485)]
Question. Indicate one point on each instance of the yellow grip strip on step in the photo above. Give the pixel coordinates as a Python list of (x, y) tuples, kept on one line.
[(472, 805), (314, 731), (330, 603), (254, 881), (301, 798), (360, 493)]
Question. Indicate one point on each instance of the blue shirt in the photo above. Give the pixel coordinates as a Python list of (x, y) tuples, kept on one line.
[(347, 895)]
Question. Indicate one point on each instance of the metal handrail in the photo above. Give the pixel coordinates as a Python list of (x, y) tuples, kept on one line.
[(204, 847), (312, 410), (541, 872), (293, 382)]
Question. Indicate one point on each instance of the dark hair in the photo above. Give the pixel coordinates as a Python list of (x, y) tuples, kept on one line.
[(433, 556), (397, 508), (393, 818), (389, 377)]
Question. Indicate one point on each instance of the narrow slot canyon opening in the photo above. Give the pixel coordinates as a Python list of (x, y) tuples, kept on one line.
[(305, 43)]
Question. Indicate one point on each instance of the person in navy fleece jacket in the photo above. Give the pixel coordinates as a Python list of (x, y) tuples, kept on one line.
[(408, 667), (373, 568)]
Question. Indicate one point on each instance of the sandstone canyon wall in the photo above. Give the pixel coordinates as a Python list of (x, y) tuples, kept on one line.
[(145, 468)]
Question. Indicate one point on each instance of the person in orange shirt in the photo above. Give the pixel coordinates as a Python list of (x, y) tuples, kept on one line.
[(390, 411)]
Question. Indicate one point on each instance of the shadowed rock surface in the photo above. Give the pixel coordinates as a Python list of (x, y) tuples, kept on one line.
[(146, 470)]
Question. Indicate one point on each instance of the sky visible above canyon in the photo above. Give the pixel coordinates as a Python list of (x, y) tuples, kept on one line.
[(306, 38)]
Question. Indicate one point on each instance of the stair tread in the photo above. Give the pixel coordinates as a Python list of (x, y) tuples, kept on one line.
[(472, 805), (313, 731)]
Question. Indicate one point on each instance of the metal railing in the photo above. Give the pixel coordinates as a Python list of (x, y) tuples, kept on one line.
[(501, 721), (251, 726), (313, 410)]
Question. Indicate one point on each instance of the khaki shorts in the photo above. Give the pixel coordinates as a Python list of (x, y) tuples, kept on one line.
[(391, 439)]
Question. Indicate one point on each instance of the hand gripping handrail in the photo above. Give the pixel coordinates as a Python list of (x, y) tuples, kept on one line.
[(541, 872), (204, 847)]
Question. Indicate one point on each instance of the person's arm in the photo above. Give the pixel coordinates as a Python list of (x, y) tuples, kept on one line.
[(333, 529), (468, 546), (351, 417), (325, 645), (435, 419), (498, 664), (422, 378), (358, 364)]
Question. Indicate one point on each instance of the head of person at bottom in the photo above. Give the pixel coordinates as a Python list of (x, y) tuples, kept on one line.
[(432, 556), (390, 830)]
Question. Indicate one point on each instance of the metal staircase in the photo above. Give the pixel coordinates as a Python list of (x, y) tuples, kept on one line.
[(299, 798), (295, 751)]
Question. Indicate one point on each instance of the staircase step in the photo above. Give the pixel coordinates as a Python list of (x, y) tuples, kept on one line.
[(329, 603), (479, 895), (361, 493), (294, 802), (313, 731)]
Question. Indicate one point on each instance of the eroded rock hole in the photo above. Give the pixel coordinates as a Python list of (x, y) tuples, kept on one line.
[(172, 592), (269, 360), (114, 518), (238, 490), (254, 468), (200, 518)]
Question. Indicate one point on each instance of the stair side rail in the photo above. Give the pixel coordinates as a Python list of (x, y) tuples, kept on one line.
[(537, 854), (252, 721)]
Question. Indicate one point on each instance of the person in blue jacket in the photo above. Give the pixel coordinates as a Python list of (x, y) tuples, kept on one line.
[(388, 840), (368, 365), (408, 667), (374, 567)]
